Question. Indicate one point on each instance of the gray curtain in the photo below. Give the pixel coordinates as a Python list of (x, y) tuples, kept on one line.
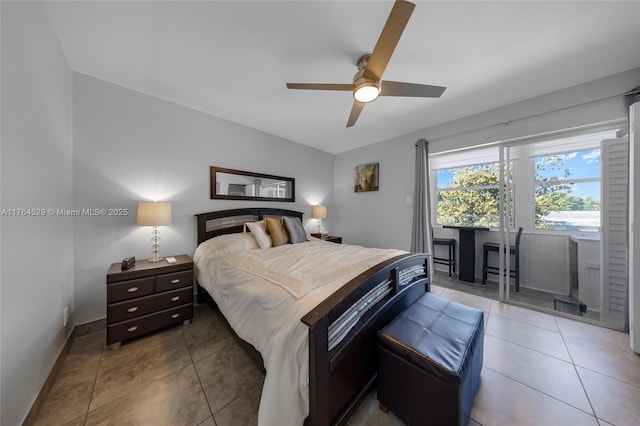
[(421, 233)]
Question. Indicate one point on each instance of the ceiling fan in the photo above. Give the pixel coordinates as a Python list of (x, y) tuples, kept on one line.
[(367, 82)]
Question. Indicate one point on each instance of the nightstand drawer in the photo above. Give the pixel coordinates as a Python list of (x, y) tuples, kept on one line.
[(129, 309), (176, 280), (145, 324), (130, 289)]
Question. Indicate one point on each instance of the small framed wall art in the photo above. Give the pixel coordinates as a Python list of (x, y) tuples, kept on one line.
[(366, 178)]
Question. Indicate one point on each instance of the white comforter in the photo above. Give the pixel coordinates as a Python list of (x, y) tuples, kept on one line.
[(264, 294)]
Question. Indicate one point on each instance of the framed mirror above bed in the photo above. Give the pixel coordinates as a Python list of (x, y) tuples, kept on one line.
[(231, 184)]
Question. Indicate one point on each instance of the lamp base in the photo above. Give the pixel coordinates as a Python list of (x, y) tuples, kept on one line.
[(155, 246)]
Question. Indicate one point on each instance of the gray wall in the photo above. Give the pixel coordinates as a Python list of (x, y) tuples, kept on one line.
[(378, 218), (129, 146), (37, 252), (70, 141)]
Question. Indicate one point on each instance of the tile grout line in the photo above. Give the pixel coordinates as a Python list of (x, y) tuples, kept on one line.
[(601, 373), (542, 393), (93, 387), (202, 386), (528, 348), (193, 363), (95, 379), (528, 323), (586, 393)]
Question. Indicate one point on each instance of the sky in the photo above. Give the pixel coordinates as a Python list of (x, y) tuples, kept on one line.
[(582, 165)]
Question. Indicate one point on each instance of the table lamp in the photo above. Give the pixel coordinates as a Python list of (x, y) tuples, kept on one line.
[(154, 214), (319, 212)]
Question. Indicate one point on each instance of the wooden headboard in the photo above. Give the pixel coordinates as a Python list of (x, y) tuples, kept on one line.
[(212, 224)]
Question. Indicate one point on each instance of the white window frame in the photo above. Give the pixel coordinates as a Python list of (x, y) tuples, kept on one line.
[(478, 156), (523, 171), (559, 145)]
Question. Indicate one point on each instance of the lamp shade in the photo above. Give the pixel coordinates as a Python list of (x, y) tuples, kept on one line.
[(319, 212), (152, 213)]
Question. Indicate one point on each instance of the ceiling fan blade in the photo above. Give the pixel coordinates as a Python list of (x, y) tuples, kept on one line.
[(312, 86), (356, 109), (398, 88), (393, 28)]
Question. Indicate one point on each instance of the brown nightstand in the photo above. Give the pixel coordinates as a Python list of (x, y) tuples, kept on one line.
[(148, 297), (332, 239)]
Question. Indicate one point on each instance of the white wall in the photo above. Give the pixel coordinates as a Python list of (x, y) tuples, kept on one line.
[(129, 146), (383, 219), (37, 252), (585, 104)]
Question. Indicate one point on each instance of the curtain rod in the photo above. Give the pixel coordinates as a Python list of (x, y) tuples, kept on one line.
[(508, 122)]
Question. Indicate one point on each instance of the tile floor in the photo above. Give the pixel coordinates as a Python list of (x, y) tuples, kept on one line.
[(538, 370)]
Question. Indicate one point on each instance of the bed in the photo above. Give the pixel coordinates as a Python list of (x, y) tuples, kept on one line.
[(326, 362)]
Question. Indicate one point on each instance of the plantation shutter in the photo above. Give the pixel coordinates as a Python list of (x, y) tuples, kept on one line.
[(615, 208)]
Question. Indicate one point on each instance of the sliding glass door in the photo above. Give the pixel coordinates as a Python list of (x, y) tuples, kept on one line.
[(552, 210), (570, 195)]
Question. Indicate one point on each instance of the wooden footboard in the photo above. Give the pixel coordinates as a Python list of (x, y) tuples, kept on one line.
[(341, 373)]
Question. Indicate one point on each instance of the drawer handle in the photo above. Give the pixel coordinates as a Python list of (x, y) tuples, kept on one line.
[(175, 298), (176, 281), (174, 316), (132, 289), (132, 329), (132, 309)]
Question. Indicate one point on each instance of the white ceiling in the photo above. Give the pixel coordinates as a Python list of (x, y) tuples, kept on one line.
[(232, 59)]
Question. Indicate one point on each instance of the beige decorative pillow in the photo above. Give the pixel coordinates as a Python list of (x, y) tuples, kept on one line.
[(277, 231), (259, 231)]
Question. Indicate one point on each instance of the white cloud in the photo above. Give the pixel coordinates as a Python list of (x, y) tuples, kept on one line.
[(591, 157)]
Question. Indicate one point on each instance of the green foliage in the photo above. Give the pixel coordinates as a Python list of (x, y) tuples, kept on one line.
[(471, 207), (476, 204), (557, 197)]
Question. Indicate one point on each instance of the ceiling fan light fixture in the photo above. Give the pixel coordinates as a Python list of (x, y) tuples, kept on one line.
[(366, 91)]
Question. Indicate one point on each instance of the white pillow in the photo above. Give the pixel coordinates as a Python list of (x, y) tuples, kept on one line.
[(227, 243), (259, 231), (230, 243)]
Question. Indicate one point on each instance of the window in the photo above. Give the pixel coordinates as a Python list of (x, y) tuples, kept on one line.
[(558, 184), (468, 196), (567, 183), (466, 187), (567, 191)]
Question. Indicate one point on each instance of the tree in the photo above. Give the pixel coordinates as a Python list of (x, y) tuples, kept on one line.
[(553, 195), (471, 207), (476, 203)]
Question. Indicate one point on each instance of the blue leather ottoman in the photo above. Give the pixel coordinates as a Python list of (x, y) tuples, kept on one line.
[(429, 362)]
